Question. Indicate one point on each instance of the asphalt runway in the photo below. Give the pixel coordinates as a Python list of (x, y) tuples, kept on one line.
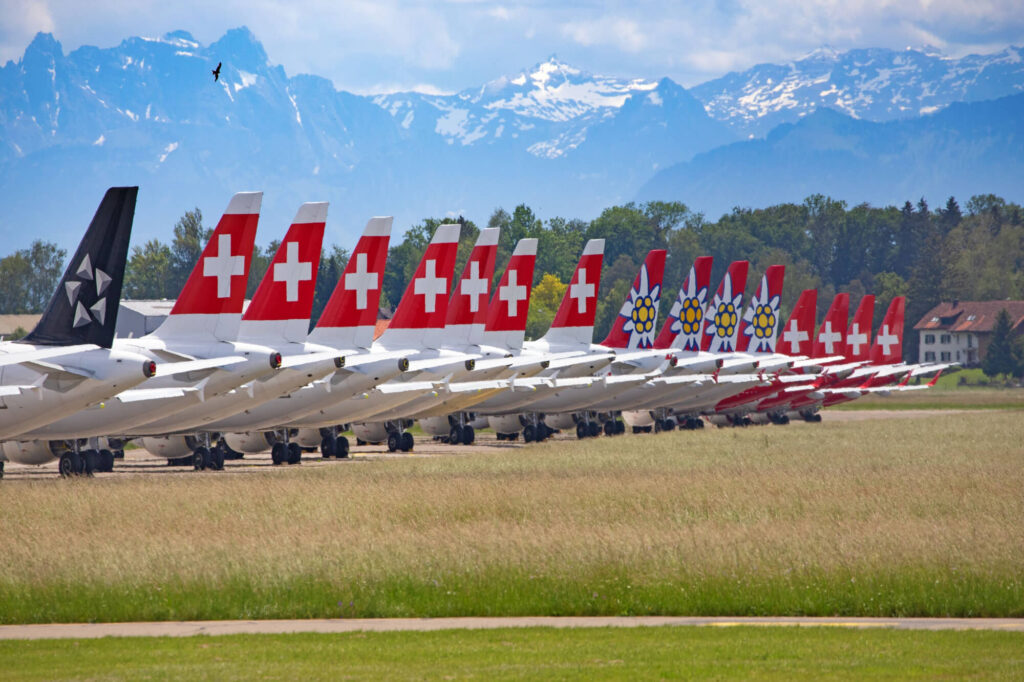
[(331, 626)]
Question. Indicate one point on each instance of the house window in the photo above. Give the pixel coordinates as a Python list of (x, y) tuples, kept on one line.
[(945, 338), (945, 356), (929, 356), (958, 356), (970, 340), (929, 339)]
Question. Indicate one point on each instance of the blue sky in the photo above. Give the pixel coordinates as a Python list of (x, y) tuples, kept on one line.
[(371, 46)]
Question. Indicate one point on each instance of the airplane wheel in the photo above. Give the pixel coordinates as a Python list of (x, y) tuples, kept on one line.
[(407, 442), (499, 436), (217, 458), (455, 435), (68, 465), (468, 435), (294, 453), (636, 430), (609, 428), (529, 433), (581, 430), (1, 470), (200, 458), (620, 427), (328, 447), (106, 461), (668, 425), (657, 426), (594, 428), (393, 442), (278, 453), (341, 448)]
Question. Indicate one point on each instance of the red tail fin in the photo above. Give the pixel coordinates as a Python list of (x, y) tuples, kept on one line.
[(217, 283), (634, 326), (796, 334), (350, 314), (888, 346), (424, 304), (574, 321), (686, 317), (286, 290), (469, 301), (760, 324), (833, 328), (858, 338), (722, 315), (506, 316)]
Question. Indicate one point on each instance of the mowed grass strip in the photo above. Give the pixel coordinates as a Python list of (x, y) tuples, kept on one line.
[(952, 398), (913, 517), (539, 653)]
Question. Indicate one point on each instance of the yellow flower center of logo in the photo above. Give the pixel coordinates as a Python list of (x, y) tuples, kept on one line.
[(764, 321), (725, 320), (691, 316)]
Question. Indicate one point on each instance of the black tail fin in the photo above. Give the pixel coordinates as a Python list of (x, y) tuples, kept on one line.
[(84, 306)]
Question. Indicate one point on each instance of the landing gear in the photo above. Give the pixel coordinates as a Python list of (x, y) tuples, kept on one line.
[(279, 453), (294, 453), (407, 442), (332, 444), (581, 430), (106, 461), (69, 464)]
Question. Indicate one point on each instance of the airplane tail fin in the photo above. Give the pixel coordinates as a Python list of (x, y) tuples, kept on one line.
[(686, 317), (759, 327), (419, 318), (796, 333), (574, 321), (888, 346), (283, 301), (210, 303), (350, 316), (722, 315), (467, 310), (506, 316), (84, 306), (829, 340), (634, 326), (858, 337)]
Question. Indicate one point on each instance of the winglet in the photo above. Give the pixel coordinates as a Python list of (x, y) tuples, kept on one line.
[(83, 309), (686, 317), (634, 325)]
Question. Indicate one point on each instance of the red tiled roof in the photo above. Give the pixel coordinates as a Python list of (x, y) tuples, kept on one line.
[(970, 316)]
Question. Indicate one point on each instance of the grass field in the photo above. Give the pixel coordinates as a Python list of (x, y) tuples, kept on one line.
[(586, 654), (955, 398), (917, 517)]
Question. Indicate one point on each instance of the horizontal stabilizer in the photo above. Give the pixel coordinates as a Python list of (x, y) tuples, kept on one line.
[(175, 368)]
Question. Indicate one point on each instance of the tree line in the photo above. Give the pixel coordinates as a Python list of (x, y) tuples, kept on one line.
[(929, 255)]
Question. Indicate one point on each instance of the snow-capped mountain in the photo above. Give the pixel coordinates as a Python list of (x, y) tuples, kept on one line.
[(871, 84)]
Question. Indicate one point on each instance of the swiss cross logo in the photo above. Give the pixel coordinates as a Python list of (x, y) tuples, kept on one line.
[(886, 339), (512, 293), (430, 286), (292, 271), (581, 291), (473, 286), (361, 281), (829, 338), (856, 338), (794, 336), (224, 266)]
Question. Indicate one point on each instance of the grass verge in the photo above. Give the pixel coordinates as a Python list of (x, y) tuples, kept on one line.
[(539, 653), (957, 398), (915, 517)]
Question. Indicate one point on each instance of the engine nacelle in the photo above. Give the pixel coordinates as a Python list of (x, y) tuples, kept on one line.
[(638, 417), (719, 419), (308, 438), (34, 452), (436, 426), (759, 418), (371, 432), (169, 447), (561, 420), (480, 422), (251, 442), (505, 423)]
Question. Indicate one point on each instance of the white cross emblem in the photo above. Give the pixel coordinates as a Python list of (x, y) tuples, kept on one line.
[(223, 266), (886, 339), (513, 293), (856, 338), (473, 286), (292, 271), (430, 286), (794, 336), (581, 291), (829, 337), (362, 281)]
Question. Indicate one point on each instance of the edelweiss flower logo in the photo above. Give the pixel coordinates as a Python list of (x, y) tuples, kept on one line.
[(762, 317), (641, 312), (687, 314), (724, 317)]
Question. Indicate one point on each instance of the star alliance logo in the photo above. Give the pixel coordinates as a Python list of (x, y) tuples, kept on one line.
[(88, 275)]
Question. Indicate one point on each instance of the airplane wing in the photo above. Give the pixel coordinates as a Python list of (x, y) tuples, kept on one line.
[(389, 388), (302, 359), (16, 356), (141, 394), (432, 363), (184, 367)]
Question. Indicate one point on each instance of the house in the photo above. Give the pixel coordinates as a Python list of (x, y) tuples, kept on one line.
[(960, 331)]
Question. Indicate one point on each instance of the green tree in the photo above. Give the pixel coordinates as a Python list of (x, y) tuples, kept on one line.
[(544, 301), (147, 275), (328, 274), (187, 246), (29, 276), (1003, 355)]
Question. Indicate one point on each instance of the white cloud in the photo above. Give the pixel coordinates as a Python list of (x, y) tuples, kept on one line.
[(623, 34)]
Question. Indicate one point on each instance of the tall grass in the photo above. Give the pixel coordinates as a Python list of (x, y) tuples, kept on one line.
[(896, 517)]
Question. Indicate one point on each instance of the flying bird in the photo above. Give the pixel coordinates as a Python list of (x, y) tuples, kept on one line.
[(216, 73)]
